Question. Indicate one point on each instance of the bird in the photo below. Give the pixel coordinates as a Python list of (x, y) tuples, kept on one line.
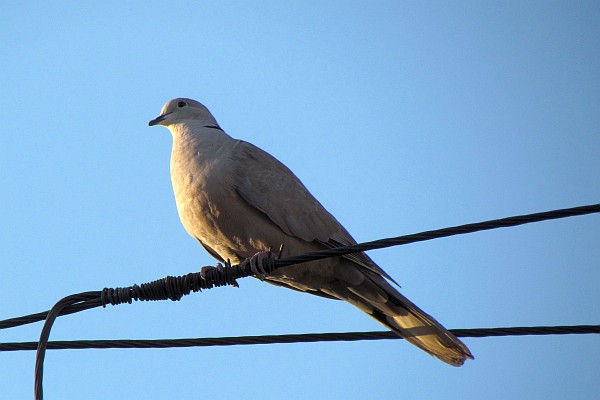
[(240, 202)]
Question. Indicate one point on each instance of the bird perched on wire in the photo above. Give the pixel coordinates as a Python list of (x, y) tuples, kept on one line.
[(239, 202)]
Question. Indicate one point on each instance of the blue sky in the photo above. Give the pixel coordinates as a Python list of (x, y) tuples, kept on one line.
[(398, 116)]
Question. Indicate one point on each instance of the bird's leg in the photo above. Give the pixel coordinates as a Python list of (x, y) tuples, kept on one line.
[(257, 263)]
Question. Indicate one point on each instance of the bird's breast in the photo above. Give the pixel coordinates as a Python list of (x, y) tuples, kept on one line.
[(203, 189)]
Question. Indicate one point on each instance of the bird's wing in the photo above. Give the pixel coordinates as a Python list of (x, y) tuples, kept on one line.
[(269, 186), (211, 251)]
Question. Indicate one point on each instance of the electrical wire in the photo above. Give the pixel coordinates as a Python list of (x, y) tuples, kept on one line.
[(293, 338), (174, 288)]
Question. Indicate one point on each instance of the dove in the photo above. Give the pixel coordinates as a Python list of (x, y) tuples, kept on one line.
[(239, 202)]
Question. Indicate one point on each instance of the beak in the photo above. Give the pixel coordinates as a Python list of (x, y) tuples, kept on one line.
[(158, 120)]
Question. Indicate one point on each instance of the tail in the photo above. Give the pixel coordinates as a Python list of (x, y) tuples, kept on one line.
[(376, 297), (367, 290), (422, 330)]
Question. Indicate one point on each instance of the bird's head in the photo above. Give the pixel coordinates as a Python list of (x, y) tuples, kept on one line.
[(183, 110)]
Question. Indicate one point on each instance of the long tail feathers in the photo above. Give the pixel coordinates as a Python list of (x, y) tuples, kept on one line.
[(372, 294), (383, 302), (426, 333)]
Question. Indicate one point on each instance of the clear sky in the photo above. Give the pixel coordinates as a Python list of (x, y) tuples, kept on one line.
[(399, 116)]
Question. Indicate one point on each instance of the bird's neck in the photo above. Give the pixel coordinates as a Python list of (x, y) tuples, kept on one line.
[(197, 136), (197, 143)]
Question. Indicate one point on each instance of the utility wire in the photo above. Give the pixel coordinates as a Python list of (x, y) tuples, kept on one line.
[(293, 338), (174, 288), (445, 232)]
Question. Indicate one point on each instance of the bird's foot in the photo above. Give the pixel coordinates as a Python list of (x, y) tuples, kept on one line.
[(206, 269), (219, 275), (258, 262)]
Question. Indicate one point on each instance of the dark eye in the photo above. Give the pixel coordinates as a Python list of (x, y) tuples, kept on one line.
[(181, 104)]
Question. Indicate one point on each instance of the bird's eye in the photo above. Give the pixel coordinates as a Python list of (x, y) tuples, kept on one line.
[(181, 104)]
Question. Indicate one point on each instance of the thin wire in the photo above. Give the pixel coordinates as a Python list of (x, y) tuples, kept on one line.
[(293, 338), (445, 232), (41, 348), (195, 283), (174, 288)]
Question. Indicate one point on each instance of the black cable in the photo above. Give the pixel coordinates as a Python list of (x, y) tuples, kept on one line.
[(445, 232), (31, 318), (41, 348), (293, 338), (166, 288), (174, 288)]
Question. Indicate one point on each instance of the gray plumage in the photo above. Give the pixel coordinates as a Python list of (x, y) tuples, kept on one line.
[(237, 200)]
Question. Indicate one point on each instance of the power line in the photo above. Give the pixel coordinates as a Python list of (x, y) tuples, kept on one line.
[(174, 288), (293, 338)]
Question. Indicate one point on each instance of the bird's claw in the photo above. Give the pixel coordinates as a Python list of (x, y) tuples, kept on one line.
[(219, 277), (204, 270), (257, 263)]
